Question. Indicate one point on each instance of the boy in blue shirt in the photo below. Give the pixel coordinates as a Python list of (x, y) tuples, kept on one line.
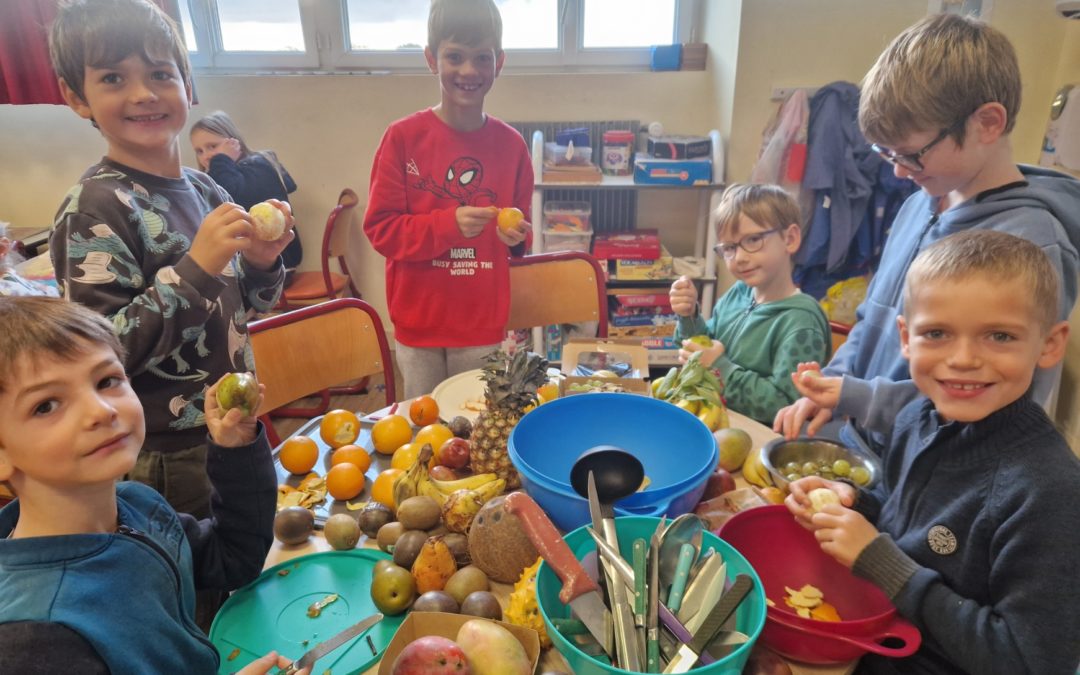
[(97, 576), (971, 531)]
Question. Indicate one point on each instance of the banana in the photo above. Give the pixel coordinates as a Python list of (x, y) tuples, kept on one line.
[(754, 472), (711, 415), (428, 489), (448, 487), (490, 490), (407, 484)]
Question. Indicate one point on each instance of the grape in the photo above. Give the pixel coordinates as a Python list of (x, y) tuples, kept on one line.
[(809, 468), (860, 475), (792, 467), (793, 476), (841, 467)]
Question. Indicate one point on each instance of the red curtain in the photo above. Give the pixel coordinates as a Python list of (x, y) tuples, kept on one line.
[(26, 75)]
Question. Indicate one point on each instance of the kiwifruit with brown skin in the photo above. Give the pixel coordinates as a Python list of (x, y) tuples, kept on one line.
[(418, 513), (459, 546), (407, 547), (388, 535), (341, 532), (373, 516), (497, 543)]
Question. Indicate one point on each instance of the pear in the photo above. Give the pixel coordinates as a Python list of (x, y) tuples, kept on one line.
[(238, 390)]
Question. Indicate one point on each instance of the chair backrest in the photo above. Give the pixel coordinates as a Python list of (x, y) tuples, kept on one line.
[(839, 334), (313, 348), (339, 226), (551, 288)]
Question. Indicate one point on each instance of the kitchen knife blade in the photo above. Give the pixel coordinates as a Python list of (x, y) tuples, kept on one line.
[(687, 655), (578, 590), (326, 646)]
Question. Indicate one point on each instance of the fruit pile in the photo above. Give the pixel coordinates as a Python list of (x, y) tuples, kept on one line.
[(480, 648), (696, 389)]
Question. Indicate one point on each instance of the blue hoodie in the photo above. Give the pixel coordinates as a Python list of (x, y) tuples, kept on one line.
[(1045, 210)]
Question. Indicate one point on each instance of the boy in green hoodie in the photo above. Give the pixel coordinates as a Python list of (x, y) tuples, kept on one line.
[(763, 327)]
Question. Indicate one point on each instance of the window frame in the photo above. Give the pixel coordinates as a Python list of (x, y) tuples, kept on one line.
[(325, 28)]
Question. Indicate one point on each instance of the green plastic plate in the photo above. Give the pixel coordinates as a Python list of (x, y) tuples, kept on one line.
[(270, 613)]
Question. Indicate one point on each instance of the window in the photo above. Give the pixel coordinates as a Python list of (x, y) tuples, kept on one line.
[(389, 35)]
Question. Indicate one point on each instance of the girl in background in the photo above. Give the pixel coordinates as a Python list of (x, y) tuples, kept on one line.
[(249, 177)]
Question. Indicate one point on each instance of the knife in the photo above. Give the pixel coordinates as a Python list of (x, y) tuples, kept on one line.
[(687, 655), (326, 646), (626, 646), (652, 620), (578, 591), (639, 565)]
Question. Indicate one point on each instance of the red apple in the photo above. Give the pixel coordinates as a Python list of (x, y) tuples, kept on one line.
[(431, 655), (719, 482), (454, 453), (440, 472)]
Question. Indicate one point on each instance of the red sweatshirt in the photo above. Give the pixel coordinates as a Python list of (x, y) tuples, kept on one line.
[(442, 289)]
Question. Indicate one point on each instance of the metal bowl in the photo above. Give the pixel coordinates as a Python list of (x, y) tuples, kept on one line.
[(779, 452)]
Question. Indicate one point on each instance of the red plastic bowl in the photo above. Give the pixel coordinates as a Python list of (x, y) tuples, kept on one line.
[(785, 554)]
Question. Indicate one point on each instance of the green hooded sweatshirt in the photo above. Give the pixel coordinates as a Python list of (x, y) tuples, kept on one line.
[(763, 345)]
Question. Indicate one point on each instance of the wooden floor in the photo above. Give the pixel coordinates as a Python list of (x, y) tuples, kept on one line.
[(364, 403)]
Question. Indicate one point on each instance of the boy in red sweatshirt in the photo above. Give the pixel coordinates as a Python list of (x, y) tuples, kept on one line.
[(439, 178)]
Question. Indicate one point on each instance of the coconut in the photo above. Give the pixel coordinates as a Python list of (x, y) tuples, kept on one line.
[(498, 544)]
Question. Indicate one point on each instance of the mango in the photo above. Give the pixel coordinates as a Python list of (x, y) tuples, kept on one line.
[(492, 650), (434, 566)]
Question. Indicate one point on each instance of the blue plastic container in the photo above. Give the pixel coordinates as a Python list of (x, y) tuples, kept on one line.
[(676, 449), (749, 617)]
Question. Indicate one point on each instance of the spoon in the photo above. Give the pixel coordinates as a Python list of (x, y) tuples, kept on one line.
[(686, 529)]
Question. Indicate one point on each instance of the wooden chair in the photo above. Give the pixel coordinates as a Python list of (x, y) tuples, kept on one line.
[(839, 334), (310, 288), (306, 351), (563, 287)]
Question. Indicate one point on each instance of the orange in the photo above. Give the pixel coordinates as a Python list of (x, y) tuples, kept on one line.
[(298, 454), (344, 481), (509, 218), (405, 456), (436, 435), (353, 454), (382, 489), (390, 433), (424, 411), (548, 392), (339, 427)]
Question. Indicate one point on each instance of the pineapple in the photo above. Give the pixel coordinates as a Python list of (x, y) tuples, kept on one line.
[(512, 382)]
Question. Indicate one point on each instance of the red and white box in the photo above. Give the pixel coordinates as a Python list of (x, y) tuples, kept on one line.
[(633, 245)]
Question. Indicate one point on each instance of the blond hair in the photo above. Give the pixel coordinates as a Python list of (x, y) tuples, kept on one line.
[(100, 33), (934, 75), (999, 256), (767, 205), (469, 22), (36, 326)]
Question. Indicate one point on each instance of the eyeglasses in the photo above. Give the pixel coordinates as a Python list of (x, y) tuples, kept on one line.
[(913, 162), (751, 243)]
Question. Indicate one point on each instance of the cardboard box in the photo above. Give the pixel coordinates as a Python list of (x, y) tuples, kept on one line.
[(601, 354), (641, 332), (652, 171), (679, 147), (651, 319), (633, 245), (419, 624), (634, 302), (663, 267)]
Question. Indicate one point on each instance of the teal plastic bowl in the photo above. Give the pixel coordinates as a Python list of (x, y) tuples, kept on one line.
[(749, 618)]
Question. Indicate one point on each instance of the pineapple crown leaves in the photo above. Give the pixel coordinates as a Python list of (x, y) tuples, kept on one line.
[(513, 380)]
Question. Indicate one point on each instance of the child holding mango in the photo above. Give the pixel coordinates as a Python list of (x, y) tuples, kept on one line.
[(763, 327)]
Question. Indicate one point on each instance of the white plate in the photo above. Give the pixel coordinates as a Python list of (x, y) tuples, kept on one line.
[(463, 394)]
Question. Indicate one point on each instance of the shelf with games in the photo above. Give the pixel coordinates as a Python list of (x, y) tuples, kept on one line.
[(707, 196)]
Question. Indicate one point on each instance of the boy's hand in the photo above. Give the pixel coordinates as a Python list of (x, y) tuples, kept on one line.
[(264, 665), (843, 533), (514, 236), (263, 255), (823, 391), (798, 500), (225, 230), (472, 220), (230, 429), (683, 296), (789, 419), (708, 354)]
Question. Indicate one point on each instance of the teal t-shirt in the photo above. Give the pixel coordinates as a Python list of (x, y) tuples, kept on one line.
[(763, 345)]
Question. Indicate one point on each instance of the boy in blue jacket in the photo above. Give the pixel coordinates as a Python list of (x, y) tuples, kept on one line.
[(971, 531), (97, 576), (939, 104)]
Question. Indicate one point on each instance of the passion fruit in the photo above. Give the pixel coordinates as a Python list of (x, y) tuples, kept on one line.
[(293, 525)]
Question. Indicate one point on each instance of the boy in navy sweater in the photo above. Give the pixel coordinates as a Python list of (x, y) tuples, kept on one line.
[(972, 529)]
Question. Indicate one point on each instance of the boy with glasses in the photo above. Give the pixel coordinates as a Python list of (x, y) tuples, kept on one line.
[(763, 327), (939, 104)]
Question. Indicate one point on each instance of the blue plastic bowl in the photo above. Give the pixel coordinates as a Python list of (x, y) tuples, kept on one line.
[(676, 449), (749, 617), (570, 511)]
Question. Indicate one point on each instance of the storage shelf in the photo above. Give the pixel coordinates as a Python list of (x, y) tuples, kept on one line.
[(623, 183)]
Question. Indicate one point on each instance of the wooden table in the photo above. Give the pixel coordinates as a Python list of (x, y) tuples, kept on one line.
[(551, 660), (29, 239)]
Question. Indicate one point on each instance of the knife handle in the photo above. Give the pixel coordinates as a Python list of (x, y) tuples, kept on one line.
[(551, 546), (682, 570), (652, 649), (639, 578)]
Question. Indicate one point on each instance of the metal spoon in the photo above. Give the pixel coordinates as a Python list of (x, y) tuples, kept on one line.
[(686, 529)]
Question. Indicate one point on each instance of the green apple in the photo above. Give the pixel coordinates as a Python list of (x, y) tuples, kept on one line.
[(238, 390)]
